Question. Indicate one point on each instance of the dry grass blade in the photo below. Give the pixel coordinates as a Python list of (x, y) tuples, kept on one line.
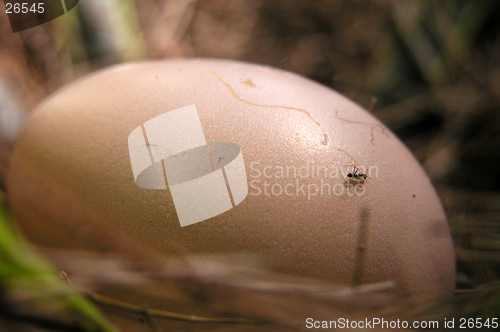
[(245, 294)]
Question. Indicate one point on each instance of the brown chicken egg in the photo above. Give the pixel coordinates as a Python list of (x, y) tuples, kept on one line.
[(222, 157)]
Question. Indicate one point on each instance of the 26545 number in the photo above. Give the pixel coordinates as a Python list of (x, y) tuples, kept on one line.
[(24, 8)]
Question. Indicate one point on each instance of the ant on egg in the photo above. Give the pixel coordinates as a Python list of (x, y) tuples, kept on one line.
[(357, 175)]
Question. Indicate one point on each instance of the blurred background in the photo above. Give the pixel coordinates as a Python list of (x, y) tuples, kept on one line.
[(429, 69)]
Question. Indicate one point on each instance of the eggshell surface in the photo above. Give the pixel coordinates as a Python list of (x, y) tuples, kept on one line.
[(297, 139)]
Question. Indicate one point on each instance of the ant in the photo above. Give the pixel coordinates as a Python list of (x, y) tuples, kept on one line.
[(356, 175)]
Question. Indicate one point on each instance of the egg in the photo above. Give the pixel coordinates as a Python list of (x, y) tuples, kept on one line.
[(224, 157)]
